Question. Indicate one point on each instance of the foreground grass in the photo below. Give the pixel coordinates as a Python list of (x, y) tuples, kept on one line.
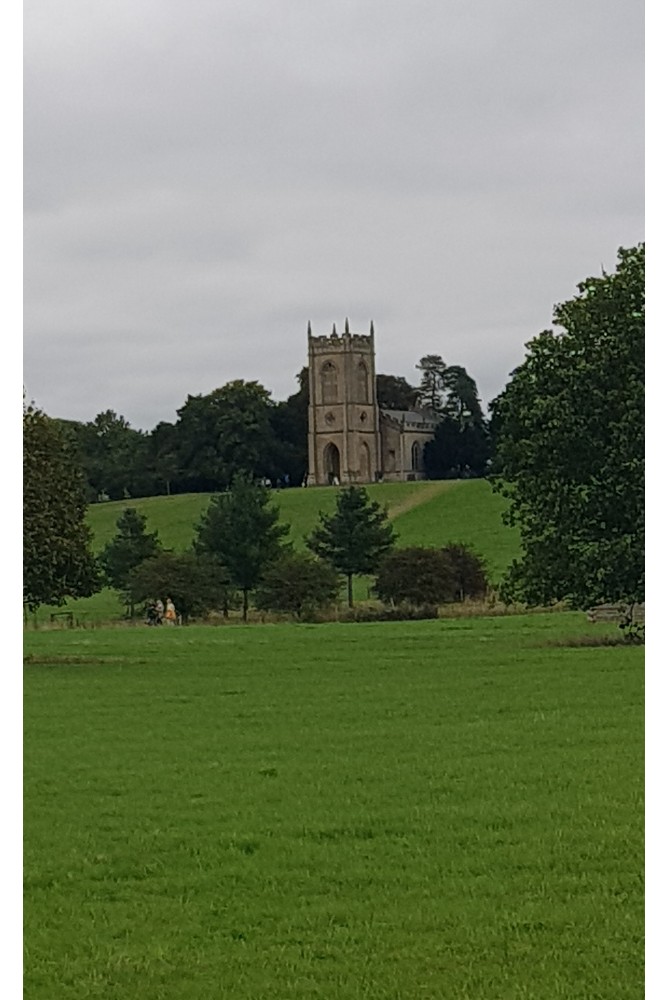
[(381, 811)]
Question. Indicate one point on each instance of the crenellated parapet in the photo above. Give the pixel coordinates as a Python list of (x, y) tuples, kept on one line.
[(345, 341)]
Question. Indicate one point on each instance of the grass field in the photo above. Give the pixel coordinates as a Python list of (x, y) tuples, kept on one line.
[(406, 810), (425, 513), (465, 510)]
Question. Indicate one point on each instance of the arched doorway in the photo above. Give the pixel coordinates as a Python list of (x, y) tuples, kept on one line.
[(332, 464), (365, 462), (416, 457)]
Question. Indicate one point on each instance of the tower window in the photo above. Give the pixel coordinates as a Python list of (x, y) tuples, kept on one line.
[(329, 378), (362, 383)]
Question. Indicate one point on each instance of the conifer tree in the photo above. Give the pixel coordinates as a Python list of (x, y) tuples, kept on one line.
[(129, 547), (240, 529), (355, 537)]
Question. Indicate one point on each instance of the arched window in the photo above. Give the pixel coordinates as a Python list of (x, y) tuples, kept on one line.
[(329, 377), (416, 457), (362, 383)]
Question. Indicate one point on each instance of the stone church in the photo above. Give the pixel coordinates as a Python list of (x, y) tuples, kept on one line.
[(350, 438)]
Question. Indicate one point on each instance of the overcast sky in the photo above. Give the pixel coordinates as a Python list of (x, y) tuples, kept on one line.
[(203, 177)]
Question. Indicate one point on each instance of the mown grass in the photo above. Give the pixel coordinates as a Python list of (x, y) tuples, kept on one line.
[(431, 809), (467, 512), (175, 517), (425, 513)]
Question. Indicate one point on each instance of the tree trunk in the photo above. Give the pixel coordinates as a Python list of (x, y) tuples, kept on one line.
[(349, 589), (245, 605)]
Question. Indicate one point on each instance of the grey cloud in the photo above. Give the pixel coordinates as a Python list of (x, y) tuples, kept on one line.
[(207, 177)]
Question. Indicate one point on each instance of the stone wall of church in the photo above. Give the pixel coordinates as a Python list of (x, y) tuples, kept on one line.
[(402, 449)]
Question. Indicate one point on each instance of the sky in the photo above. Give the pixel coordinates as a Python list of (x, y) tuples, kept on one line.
[(203, 178)]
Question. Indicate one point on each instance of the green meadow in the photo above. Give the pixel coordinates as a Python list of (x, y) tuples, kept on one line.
[(424, 513), (440, 809)]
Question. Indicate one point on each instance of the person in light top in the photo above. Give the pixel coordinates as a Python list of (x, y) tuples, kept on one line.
[(170, 612)]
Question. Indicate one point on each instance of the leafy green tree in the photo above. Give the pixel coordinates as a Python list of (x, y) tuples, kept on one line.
[(289, 422), (196, 584), (57, 557), (569, 431), (457, 451), (355, 537), (415, 576), (395, 393), (111, 454), (129, 547), (162, 457), (240, 529), (225, 433), (298, 584)]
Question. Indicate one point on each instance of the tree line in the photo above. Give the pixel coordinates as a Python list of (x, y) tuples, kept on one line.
[(240, 552), (239, 428)]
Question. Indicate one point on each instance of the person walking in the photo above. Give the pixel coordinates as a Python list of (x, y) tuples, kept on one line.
[(170, 612)]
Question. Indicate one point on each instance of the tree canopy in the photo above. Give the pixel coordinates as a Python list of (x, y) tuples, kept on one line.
[(225, 433), (297, 583), (196, 584), (420, 576), (395, 393), (57, 557), (415, 576), (457, 452), (569, 432), (450, 390), (289, 422), (460, 447)]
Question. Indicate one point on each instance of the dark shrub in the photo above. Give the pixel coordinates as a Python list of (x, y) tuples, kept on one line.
[(468, 572), (416, 576), (297, 583)]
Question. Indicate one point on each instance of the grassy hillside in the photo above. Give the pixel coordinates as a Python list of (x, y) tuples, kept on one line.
[(407, 810), (422, 513), (427, 513), (174, 517), (463, 512)]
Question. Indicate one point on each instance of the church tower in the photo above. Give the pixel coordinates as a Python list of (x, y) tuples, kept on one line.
[(343, 414)]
